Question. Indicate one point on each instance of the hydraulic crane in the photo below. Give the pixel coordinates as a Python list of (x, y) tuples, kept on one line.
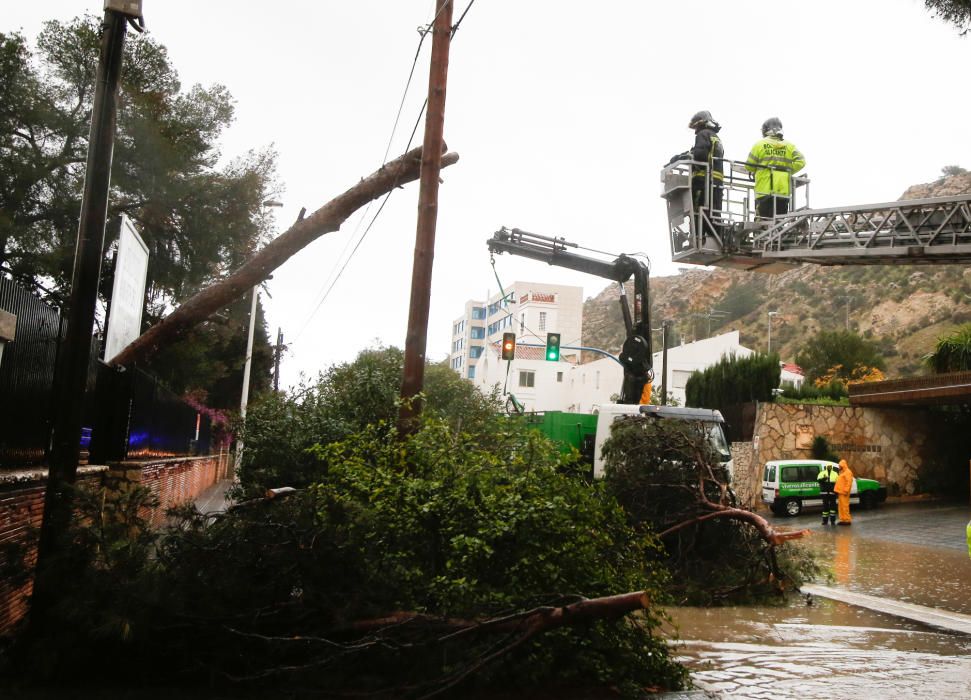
[(918, 231), (635, 355)]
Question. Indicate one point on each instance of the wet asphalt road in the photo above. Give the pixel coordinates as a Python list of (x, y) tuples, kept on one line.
[(927, 524), (807, 649)]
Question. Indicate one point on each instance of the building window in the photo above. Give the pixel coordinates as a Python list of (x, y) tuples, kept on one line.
[(527, 379), (475, 351), (478, 313), (471, 371), (559, 377), (542, 320), (477, 332), (522, 322), (679, 378)]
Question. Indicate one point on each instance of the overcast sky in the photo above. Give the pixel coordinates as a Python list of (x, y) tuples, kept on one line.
[(563, 113)]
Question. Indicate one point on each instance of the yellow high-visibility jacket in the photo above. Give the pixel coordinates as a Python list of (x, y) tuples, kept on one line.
[(773, 160)]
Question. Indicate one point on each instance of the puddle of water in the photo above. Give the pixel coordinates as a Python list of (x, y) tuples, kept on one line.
[(834, 650), (937, 578), (827, 650)]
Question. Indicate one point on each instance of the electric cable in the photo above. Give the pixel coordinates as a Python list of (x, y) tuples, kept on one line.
[(423, 32)]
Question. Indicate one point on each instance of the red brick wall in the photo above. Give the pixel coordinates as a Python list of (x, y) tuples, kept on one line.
[(21, 510), (173, 481)]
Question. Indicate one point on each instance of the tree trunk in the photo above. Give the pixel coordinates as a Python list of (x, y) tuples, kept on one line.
[(258, 268)]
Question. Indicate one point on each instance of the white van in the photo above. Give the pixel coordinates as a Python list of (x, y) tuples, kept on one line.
[(789, 485)]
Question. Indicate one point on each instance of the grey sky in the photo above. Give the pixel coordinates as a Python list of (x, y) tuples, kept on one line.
[(563, 113)]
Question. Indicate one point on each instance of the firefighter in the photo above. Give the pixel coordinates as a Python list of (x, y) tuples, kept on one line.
[(772, 161), (843, 487), (708, 149), (828, 474)]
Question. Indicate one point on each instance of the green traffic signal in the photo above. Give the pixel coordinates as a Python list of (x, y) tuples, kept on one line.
[(553, 347)]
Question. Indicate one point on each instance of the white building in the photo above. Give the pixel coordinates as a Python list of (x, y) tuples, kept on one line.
[(530, 310), (684, 360), (533, 309)]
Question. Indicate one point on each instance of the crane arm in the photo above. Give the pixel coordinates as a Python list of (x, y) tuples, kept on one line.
[(635, 355)]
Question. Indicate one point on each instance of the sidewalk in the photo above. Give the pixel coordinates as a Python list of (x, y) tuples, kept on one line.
[(213, 499)]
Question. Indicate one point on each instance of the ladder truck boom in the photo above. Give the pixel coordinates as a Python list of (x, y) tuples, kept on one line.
[(916, 231), (635, 355)]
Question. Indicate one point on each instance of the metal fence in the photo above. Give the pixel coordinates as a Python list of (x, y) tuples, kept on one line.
[(27, 376), (125, 414)]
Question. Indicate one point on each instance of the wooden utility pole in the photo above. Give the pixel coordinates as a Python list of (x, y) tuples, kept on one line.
[(421, 276)]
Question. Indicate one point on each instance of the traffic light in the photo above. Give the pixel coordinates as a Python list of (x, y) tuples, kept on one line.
[(553, 347), (509, 346)]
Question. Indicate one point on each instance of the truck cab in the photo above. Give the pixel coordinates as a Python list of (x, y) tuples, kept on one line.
[(713, 422)]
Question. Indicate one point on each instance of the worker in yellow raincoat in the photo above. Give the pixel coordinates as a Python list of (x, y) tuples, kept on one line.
[(844, 485)]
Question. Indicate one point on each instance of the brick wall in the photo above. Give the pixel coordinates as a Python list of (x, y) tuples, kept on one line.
[(21, 510), (173, 481)]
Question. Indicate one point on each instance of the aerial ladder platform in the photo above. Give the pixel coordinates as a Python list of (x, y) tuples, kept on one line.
[(916, 231)]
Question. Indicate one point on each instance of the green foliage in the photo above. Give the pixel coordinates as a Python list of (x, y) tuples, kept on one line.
[(734, 380), (833, 393), (208, 362), (829, 349), (952, 353), (665, 473), (297, 591), (956, 12), (821, 450), (346, 399), (198, 219)]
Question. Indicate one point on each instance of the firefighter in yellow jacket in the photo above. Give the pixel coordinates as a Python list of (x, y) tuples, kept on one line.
[(843, 488), (772, 161)]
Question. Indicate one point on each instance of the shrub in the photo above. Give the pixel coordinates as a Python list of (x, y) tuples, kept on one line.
[(734, 380), (281, 428), (666, 476)]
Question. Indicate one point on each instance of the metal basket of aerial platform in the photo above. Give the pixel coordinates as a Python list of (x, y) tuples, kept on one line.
[(932, 230)]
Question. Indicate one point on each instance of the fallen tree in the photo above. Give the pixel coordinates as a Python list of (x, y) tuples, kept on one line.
[(257, 269), (669, 480), (464, 555)]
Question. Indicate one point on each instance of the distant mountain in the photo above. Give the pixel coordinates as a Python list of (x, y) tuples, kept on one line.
[(902, 308)]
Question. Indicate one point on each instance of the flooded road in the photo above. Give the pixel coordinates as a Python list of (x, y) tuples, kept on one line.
[(821, 648)]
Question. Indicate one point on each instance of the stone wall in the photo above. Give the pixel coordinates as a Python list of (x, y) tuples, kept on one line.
[(173, 481), (885, 444), (748, 490)]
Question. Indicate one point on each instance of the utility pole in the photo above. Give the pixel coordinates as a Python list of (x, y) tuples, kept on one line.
[(75, 354), (421, 276), (276, 359), (664, 362), (769, 344)]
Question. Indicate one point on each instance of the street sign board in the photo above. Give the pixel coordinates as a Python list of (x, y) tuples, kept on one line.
[(128, 291)]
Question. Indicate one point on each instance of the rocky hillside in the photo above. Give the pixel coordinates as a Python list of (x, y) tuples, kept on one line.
[(902, 308)]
